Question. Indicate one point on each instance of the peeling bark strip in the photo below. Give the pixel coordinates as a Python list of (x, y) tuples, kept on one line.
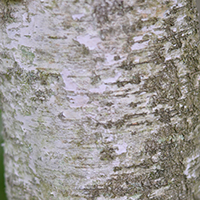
[(100, 99)]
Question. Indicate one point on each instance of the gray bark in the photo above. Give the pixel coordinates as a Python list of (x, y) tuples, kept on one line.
[(100, 99)]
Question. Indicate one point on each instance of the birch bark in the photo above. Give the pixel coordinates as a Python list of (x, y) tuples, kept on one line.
[(100, 99)]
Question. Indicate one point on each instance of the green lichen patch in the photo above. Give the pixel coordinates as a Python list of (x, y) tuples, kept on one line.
[(6, 15), (43, 76), (5, 55), (42, 95), (107, 154), (27, 55)]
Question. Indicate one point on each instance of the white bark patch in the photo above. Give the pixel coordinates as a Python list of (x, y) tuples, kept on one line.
[(77, 16), (138, 38), (138, 46), (190, 169), (159, 192), (103, 87), (79, 101), (70, 84), (100, 89), (121, 148), (89, 41), (110, 59), (71, 114), (113, 79)]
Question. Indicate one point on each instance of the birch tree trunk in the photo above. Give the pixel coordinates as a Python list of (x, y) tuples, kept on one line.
[(100, 99)]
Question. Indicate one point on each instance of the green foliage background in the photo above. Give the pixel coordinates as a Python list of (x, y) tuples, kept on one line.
[(2, 186)]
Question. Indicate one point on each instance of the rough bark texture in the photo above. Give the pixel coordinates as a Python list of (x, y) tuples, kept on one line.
[(100, 99)]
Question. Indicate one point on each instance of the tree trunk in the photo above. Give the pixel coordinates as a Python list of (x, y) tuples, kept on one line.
[(100, 99)]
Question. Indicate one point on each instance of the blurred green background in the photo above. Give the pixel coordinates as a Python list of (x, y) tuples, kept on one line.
[(2, 186)]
